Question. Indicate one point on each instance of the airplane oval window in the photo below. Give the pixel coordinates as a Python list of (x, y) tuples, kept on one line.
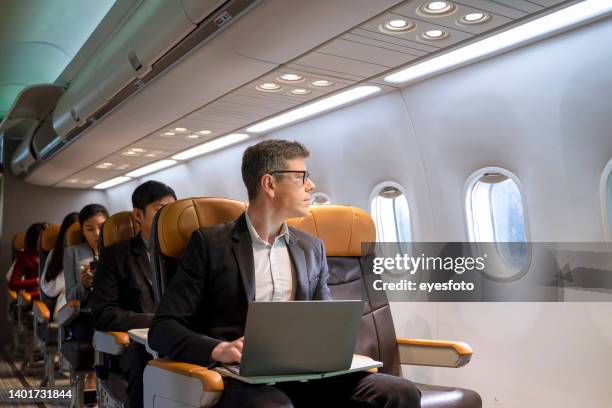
[(495, 210), (320, 198), (389, 209), (606, 199)]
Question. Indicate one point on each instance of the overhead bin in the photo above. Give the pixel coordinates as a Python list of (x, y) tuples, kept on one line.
[(198, 10), (78, 102), (45, 138), (153, 29), (23, 157)]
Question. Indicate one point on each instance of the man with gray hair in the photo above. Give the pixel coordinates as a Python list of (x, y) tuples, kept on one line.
[(202, 315)]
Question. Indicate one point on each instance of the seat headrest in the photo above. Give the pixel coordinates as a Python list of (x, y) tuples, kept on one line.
[(48, 237), (119, 227), (19, 242), (74, 235), (177, 221), (341, 228)]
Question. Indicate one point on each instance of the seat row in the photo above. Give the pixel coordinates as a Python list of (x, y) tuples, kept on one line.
[(169, 383)]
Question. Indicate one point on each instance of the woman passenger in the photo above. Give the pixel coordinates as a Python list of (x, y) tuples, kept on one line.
[(52, 282), (79, 268), (25, 271)]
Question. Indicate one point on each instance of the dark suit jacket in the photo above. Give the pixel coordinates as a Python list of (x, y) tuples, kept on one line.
[(122, 298), (207, 299)]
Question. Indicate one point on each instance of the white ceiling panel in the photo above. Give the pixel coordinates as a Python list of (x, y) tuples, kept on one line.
[(358, 51), (494, 7)]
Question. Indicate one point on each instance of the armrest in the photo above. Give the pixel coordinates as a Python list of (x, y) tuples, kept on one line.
[(24, 298), (113, 343), (41, 312), (68, 312), (440, 353), (12, 295), (211, 380)]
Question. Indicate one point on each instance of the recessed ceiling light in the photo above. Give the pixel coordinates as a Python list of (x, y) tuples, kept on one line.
[(322, 82), (570, 17), (397, 26), (300, 91), (124, 166), (314, 108), (138, 150), (205, 132), (112, 182), (269, 87), (434, 35), (107, 164), (436, 8), (168, 134), (291, 78), (130, 153), (475, 18), (103, 166), (149, 155), (150, 168), (180, 129), (89, 181), (72, 181), (192, 136), (211, 146)]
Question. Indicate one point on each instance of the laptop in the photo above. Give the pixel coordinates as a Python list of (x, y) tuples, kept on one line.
[(299, 337)]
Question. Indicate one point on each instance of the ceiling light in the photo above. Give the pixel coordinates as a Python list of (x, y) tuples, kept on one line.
[(150, 168), (168, 134), (112, 182), (107, 164), (397, 26), (269, 87), (150, 155), (314, 108), (474, 18), (205, 132), (180, 129), (89, 181), (211, 146), (130, 153), (434, 35), (569, 17), (291, 78), (72, 181), (192, 136), (102, 166), (322, 82), (125, 166), (436, 8), (300, 91), (138, 150)]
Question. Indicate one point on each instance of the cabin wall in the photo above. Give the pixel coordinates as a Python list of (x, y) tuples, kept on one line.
[(542, 112)]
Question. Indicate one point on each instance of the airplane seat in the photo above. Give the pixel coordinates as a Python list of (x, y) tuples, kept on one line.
[(80, 355), (170, 383), (112, 385), (18, 244), (345, 231), (45, 329)]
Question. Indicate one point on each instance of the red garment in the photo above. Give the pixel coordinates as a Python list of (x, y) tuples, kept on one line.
[(25, 272)]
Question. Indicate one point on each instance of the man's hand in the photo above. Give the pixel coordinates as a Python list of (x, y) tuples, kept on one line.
[(228, 352), (87, 277)]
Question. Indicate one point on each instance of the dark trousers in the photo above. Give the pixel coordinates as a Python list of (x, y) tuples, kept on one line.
[(81, 328), (133, 363), (363, 390)]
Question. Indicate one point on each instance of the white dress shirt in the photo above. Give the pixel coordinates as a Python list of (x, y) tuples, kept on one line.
[(56, 287), (274, 273)]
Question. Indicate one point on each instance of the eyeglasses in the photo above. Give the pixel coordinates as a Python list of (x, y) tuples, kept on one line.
[(305, 174)]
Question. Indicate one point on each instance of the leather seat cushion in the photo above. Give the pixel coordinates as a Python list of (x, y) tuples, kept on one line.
[(80, 355), (434, 396)]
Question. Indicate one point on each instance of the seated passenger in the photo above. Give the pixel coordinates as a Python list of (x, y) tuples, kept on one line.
[(79, 268), (52, 281), (123, 298), (201, 316), (24, 275)]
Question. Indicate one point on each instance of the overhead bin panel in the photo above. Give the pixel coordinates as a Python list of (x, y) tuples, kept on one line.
[(23, 157), (45, 139), (78, 102), (154, 28), (198, 10)]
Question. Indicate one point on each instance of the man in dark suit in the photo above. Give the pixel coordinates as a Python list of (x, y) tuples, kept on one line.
[(202, 315), (123, 295)]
